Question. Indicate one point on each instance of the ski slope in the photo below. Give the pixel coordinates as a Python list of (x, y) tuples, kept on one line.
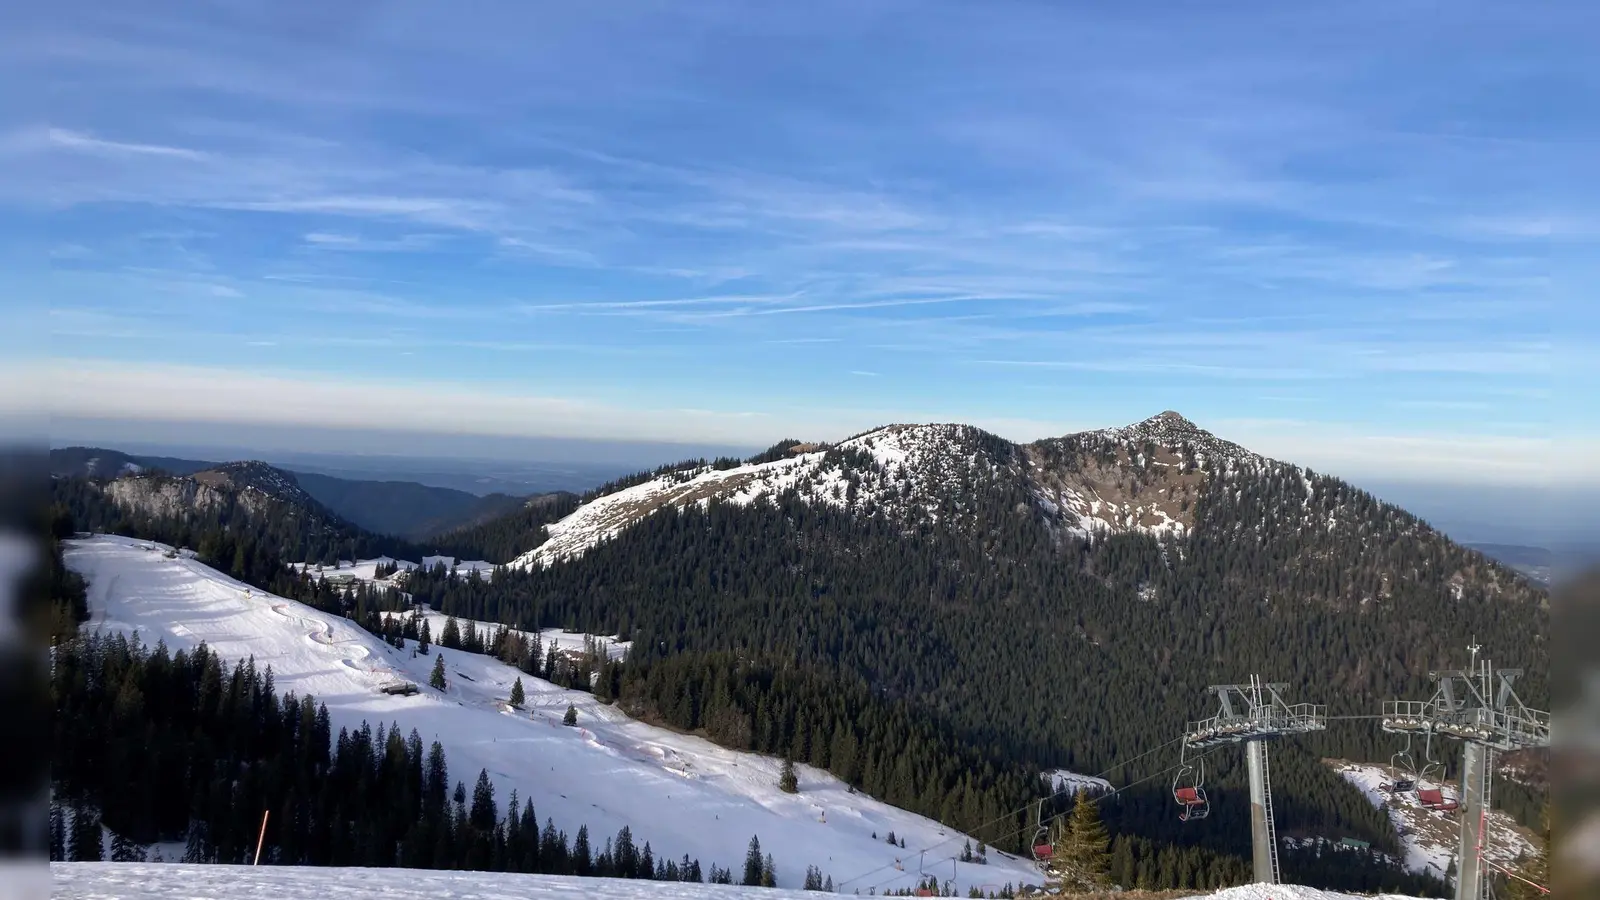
[(681, 793), (98, 881)]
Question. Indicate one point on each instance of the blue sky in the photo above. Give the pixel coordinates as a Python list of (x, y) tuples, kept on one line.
[(1358, 238)]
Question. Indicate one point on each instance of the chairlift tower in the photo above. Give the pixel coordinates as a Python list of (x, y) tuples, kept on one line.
[(1478, 707), (1253, 714)]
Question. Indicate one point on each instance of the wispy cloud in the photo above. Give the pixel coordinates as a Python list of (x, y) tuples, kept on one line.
[(993, 206), (72, 140)]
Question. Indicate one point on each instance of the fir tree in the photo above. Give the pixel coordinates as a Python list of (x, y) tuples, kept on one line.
[(1081, 858), (58, 834), (517, 697), (752, 863), (571, 718), (787, 782), (436, 680), (84, 840)]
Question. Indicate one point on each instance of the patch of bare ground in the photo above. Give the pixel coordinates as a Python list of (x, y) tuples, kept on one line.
[(1162, 490)]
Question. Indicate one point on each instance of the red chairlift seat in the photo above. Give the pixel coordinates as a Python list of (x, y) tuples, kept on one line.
[(1434, 798), (1042, 852), (1193, 801)]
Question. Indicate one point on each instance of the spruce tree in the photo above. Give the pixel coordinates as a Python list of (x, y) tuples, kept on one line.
[(84, 840), (1081, 859), (752, 863), (787, 782), (436, 680), (58, 834), (517, 697), (571, 718)]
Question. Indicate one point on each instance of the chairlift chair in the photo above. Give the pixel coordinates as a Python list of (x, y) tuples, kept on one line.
[(1434, 799), (1401, 767), (1043, 849), (1190, 793)]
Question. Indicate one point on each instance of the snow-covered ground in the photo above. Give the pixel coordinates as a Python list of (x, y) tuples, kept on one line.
[(565, 641), (1066, 782), (1429, 836), (367, 569), (929, 456), (102, 881), (609, 772)]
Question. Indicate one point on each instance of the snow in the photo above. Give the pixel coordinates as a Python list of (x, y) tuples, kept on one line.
[(1072, 782), (1429, 836), (565, 641), (100, 881), (931, 456), (608, 772)]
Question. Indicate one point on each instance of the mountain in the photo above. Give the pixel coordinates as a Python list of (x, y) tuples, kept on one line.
[(405, 508), (97, 462), (1058, 604), (401, 508)]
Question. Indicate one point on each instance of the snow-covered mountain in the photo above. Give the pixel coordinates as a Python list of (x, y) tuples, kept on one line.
[(83, 881), (1147, 477), (254, 486), (682, 793)]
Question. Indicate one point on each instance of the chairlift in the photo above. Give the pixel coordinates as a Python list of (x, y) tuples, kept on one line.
[(1401, 767), (1043, 849), (1435, 799), (1189, 791)]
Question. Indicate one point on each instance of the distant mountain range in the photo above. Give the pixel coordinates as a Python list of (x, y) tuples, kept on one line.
[(401, 508)]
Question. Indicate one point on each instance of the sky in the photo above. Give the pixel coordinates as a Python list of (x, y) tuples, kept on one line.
[(1357, 236)]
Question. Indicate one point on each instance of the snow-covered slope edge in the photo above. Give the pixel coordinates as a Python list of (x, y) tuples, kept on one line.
[(1429, 837), (684, 794), (182, 882)]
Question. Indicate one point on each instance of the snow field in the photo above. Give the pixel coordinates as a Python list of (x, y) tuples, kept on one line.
[(102, 881), (683, 794), (565, 641)]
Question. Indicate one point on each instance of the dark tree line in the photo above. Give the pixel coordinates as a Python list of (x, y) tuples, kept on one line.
[(161, 746)]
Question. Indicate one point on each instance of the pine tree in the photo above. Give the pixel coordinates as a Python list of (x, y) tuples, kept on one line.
[(436, 680), (84, 840), (752, 863), (517, 697), (450, 638), (1081, 859), (769, 872), (787, 782), (124, 850), (571, 718), (58, 834), (424, 637)]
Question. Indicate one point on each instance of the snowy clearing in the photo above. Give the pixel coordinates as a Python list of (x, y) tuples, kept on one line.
[(608, 772), (1067, 782), (568, 642), (1429, 836), (95, 881)]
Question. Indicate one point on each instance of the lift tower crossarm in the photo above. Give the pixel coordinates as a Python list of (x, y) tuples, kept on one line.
[(1253, 714)]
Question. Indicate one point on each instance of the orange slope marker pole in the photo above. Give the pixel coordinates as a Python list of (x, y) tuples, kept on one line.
[(262, 836)]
